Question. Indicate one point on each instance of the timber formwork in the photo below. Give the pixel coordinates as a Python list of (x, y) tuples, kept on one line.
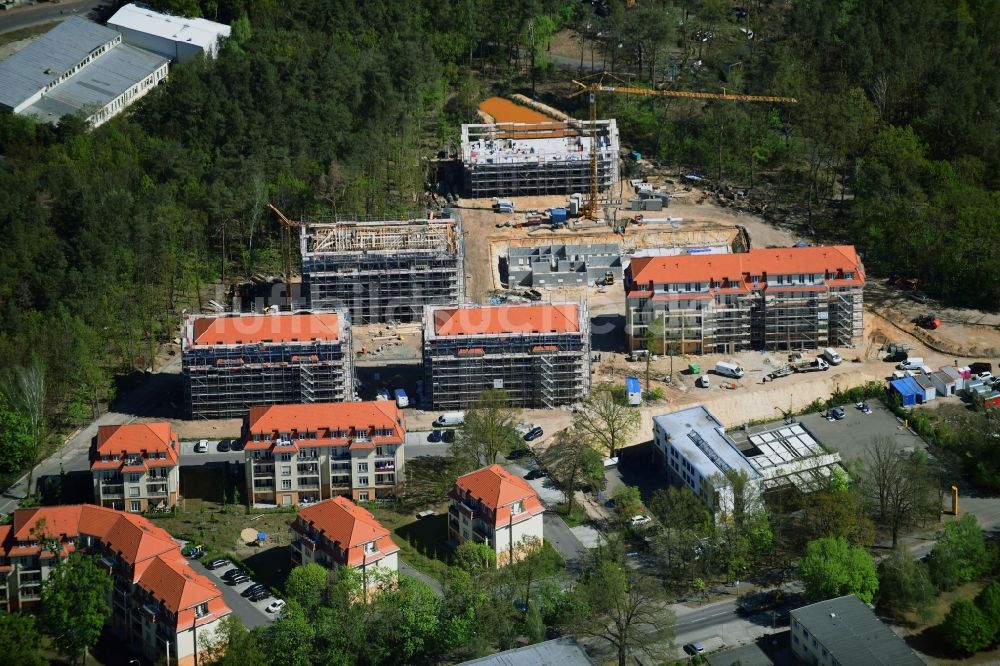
[(520, 159), (537, 370), (225, 380), (382, 271)]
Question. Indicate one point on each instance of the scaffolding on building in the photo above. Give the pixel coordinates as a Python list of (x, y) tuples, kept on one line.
[(846, 312), (383, 270), (225, 380), (536, 370), (521, 159)]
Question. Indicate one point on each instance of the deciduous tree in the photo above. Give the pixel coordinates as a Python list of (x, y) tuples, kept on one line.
[(23, 389), (966, 628), (904, 583), (488, 430), (607, 419), (20, 641), (306, 584), (959, 555), (571, 461), (833, 567), (75, 605)]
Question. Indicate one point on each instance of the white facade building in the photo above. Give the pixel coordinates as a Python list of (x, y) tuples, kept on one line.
[(178, 38)]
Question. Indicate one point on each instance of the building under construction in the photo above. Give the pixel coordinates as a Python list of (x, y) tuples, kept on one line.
[(774, 299), (521, 159), (232, 362), (539, 353), (382, 271)]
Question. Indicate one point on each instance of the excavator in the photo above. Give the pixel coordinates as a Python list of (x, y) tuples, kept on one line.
[(589, 209)]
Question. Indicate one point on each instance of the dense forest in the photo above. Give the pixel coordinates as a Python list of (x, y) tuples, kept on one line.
[(336, 106)]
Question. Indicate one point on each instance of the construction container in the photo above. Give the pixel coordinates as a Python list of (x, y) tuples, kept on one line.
[(634, 391), (557, 215)]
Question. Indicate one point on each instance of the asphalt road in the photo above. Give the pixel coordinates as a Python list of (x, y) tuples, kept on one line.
[(250, 613), (25, 17)]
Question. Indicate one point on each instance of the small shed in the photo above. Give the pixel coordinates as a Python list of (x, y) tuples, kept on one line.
[(956, 376), (965, 371), (944, 383), (992, 400), (634, 391), (974, 386), (908, 390), (928, 392)]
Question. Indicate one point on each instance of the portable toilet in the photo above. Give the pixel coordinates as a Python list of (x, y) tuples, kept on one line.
[(634, 391)]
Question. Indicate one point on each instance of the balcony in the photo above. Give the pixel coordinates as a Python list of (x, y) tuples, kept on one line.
[(312, 469), (482, 534), (159, 489), (112, 490), (263, 468), (340, 481), (387, 466), (308, 483)]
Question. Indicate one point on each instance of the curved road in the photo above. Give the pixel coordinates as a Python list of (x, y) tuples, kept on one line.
[(30, 15)]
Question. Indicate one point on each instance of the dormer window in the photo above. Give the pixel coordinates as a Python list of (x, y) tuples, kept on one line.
[(370, 548), (517, 508)]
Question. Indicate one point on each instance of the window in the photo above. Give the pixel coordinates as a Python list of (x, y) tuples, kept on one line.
[(286, 484), (201, 610), (363, 497), (363, 467), (134, 478), (362, 480), (136, 506), (370, 548), (133, 491), (286, 470), (286, 457), (517, 508)]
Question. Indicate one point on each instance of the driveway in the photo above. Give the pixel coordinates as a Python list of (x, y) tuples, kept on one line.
[(250, 613), (557, 533)]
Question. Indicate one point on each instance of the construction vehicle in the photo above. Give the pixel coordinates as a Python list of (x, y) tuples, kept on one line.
[(286, 251), (609, 278), (815, 365), (589, 209), (928, 321)]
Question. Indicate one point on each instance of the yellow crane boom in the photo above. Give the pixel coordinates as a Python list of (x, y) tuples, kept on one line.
[(590, 210), (286, 250)]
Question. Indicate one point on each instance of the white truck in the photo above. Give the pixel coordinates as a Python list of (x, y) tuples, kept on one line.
[(815, 365), (450, 419), (728, 370), (831, 356)]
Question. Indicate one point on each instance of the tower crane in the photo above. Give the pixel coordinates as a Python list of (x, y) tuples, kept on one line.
[(286, 250), (594, 87)]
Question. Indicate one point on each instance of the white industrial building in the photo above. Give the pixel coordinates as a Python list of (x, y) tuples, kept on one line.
[(178, 38), (697, 451), (78, 68)]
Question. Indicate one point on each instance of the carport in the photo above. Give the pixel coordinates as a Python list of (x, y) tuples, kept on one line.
[(908, 389)]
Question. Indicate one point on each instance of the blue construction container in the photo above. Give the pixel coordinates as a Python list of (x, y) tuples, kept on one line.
[(634, 391), (557, 215), (908, 389)]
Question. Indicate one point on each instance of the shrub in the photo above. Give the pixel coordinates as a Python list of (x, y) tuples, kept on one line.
[(966, 628)]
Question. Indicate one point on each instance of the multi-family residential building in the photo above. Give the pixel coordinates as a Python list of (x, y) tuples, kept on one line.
[(231, 362), (769, 299), (297, 454), (843, 632), (160, 607), (495, 507), (695, 450), (539, 354), (134, 466), (337, 533)]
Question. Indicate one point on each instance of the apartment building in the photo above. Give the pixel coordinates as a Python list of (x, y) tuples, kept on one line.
[(337, 533), (160, 606), (297, 454), (774, 299), (495, 507), (539, 353), (231, 362), (134, 466), (843, 632)]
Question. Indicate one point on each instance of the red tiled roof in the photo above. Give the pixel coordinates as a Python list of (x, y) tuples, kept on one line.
[(158, 565), (350, 527), (348, 417), (277, 328), (501, 319), (495, 487), (134, 439), (772, 261)]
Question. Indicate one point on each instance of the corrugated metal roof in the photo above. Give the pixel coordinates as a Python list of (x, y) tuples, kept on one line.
[(198, 31), (99, 83), (559, 652), (907, 386), (853, 634), (50, 56)]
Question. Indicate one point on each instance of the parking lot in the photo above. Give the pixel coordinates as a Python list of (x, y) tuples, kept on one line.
[(852, 435), (252, 614)]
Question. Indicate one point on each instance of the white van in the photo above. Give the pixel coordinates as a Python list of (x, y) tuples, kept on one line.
[(831, 355), (912, 363), (728, 370), (703, 382), (450, 419), (402, 400)]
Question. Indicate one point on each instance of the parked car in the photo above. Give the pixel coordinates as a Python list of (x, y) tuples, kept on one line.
[(217, 563), (837, 413), (223, 446), (985, 376), (253, 589), (517, 454), (435, 436), (521, 428), (260, 596), (383, 394), (535, 474), (448, 436), (533, 434), (232, 572), (275, 606), (694, 648), (640, 521), (238, 579), (237, 445), (201, 446)]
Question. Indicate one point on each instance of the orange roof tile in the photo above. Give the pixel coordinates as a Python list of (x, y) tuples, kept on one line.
[(174, 583), (495, 487), (97, 520), (137, 539), (59, 520), (278, 328), (506, 319), (350, 527), (347, 416), (134, 439), (772, 261)]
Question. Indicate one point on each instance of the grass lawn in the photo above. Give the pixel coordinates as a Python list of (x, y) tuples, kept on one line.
[(575, 519), (422, 542), (924, 636)]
